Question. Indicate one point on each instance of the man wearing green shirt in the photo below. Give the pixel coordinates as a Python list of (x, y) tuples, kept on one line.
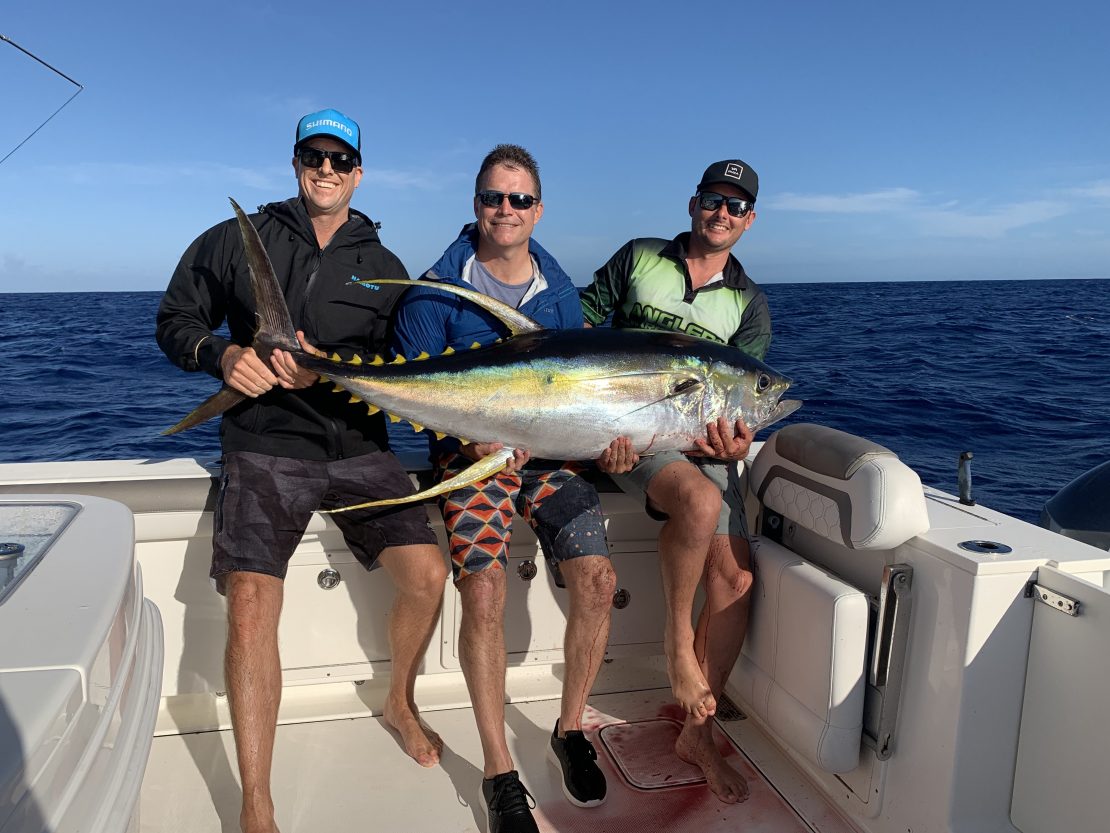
[(693, 284)]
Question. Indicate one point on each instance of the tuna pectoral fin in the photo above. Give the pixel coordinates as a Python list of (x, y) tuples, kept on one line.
[(226, 397), (486, 467)]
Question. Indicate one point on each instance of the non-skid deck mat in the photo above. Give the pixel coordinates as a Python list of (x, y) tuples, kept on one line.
[(651, 788)]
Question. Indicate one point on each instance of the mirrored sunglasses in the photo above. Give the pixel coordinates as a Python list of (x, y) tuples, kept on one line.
[(737, 207), (493, 199)]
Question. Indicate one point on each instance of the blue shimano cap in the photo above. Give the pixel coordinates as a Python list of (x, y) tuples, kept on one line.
[(330, 123)]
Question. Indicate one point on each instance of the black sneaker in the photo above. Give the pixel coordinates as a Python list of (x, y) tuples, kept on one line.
[(583, 781), (508, 804)]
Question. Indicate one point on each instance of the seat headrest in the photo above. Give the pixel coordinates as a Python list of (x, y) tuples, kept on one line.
[(842, 487)]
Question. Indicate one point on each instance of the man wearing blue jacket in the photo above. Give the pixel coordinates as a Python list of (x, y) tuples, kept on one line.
[(497, 256)]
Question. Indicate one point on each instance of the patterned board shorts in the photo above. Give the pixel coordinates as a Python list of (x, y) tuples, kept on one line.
[(562, 508), (265, 503)]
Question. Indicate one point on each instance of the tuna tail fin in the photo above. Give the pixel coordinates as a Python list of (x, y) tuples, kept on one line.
[(226, 397), (275, 325), (516, 321), (488, 466)]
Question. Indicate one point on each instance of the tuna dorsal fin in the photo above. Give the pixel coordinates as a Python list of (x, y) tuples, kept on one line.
[(486, 467), (516, 321), (275, 327)]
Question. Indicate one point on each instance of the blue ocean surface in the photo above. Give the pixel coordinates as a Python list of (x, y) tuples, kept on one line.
[(1013, 371)]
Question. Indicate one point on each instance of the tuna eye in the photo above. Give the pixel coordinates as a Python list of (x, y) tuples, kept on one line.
[(762, 382)]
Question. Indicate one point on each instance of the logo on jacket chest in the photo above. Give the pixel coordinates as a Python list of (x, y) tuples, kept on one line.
[(373, 287)]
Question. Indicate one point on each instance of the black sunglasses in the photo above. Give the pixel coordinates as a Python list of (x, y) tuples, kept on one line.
[(341, 161), (493, 199), (712, 202)]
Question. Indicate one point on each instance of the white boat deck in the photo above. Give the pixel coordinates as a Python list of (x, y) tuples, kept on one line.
[(353, 775)]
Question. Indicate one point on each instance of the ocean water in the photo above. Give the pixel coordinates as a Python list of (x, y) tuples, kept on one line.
[(1013, 371)]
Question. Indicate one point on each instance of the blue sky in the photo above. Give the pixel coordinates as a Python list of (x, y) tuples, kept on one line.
[(893, 141)]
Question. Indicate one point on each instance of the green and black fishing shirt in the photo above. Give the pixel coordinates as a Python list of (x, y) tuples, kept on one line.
[(646, 286)]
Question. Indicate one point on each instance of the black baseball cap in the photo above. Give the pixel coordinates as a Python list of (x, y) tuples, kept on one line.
[(734, 172)]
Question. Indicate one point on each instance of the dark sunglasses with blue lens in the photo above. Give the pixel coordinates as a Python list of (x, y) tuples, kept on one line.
[(737, 207), (493, 199), (341, 161)]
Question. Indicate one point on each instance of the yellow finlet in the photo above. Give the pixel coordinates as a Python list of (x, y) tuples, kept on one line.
[(372, 409), (354, 399), (475, 346), (449, 351), (440, 435), (335, 358), (338, 389), (417, 427), (421, 357), (393, 417), (378, 360), (399, 360), (356, 359)]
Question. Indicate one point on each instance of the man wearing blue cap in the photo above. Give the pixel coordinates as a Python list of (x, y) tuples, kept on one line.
[(693, 284), (294, 446)]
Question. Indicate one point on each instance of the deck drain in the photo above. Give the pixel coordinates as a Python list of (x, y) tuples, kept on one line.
[(727, 711)]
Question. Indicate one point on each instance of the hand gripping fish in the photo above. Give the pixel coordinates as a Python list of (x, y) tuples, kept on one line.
[(561, 394)]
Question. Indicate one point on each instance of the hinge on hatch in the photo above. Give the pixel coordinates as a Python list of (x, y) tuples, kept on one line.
[(1053, 599)]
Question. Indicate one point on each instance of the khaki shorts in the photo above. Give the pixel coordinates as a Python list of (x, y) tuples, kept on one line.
[(730, 478)]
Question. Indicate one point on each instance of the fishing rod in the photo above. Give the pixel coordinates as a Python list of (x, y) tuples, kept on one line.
[(79, 87)]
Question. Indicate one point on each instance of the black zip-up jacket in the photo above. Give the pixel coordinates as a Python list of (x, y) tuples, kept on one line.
[(211, 284)]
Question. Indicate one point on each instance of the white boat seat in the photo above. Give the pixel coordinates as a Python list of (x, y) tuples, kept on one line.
[(843, 487), (802, 670)]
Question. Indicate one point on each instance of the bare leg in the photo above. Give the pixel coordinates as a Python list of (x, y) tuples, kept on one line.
[(482, 657), (722, 625), (693, 504), (419, 573), (252, 671), (590, 583)]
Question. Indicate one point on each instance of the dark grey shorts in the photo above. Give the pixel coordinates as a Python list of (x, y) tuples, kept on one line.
[(265, 503)]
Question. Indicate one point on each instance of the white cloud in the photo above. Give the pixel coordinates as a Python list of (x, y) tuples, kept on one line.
[(992, 223), (871, 202), (1098, 190), (265, 179), (159, 175), (400, 180), (944, 219)]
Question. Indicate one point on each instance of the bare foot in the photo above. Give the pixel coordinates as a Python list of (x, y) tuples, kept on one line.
[(695, 746), (421, 743), (258, 821), (689, 686)]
